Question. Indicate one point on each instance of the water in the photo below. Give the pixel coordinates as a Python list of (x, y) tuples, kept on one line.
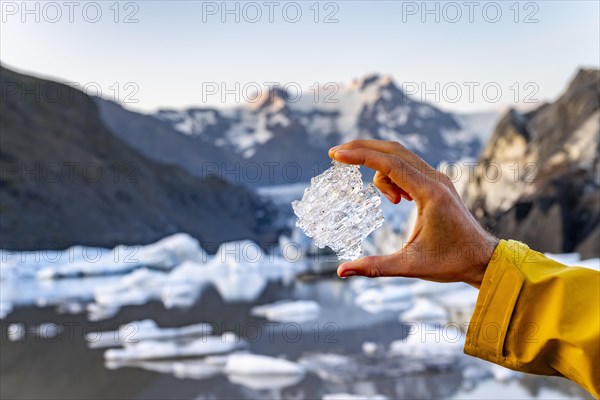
[(65, 368)]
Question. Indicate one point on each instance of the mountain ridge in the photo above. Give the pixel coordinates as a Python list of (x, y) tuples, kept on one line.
[(295, 132)]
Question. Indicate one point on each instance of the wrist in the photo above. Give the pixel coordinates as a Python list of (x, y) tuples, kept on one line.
[(482, 258)]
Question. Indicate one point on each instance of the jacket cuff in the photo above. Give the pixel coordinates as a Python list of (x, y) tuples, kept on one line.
[(496, 301)]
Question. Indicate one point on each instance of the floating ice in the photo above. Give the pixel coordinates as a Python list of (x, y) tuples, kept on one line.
[(434, 343), (265, 382), (336, 210), (425, 310), (5, 309), (88, 261), (183, 369), (154, 349), (144, 330), (254, 364), (262, 372), (16, 332), (385, 298), (289, 311)]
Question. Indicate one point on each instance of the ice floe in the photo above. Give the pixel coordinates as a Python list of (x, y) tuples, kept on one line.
[(254, 364), (434, 342), (289, 311), (154, 349), (262, 372), (385, 298), (164, 254), (183, 369), (147, 329), (425, 310), (16, 332)]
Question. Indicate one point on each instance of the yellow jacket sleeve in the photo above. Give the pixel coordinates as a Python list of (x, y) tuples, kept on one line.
[(536, 315)]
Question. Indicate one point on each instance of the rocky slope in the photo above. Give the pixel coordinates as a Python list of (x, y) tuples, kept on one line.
[(66, 179), (549, 192), (287, 136), (159, 141)]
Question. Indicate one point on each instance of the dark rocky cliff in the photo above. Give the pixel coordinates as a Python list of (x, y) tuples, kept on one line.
[(549, 192), (66, 179)]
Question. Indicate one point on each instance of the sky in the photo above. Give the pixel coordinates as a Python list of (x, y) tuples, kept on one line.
[(463, 56)]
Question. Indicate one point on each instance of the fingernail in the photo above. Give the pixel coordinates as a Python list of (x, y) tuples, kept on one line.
[(334, 148), (348, 273), (342, 152)]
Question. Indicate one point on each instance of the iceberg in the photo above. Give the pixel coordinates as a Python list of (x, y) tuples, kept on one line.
[(6, 308), (262, 372), (434, 343), (385, 298), (147, 329), (16, 332), (138, 287), (265, 382), (154, 349), (182, 369), (425, 310), (289, 311), (164, 254), (171, 251), (253, 364)]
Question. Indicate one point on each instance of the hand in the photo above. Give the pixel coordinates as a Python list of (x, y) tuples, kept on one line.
[(447, 244)]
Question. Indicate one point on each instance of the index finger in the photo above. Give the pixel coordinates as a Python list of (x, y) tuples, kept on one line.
[(385, 146), (399, 171)]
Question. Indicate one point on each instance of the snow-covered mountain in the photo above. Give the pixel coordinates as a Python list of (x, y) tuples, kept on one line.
[(283, 138), (297, 130)]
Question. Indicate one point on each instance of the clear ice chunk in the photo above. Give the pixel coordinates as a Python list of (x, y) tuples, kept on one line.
[(336, 211)]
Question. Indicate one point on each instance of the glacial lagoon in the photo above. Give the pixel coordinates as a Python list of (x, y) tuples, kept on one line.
[(219, 328)]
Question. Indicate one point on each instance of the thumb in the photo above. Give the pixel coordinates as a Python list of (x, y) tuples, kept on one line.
[(371, 266)]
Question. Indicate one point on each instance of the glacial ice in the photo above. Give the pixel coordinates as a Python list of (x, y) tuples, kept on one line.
[(154, 349), (183, 369), (425, 310), (16, 332), (288, 311), (336, 210), (254, 364), (434, 343), (144, 330), (385, 298), (163, 254)]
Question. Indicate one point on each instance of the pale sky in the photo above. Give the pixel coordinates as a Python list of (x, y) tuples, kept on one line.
[(166, 57)]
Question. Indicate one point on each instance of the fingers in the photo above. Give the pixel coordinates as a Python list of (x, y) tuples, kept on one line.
[(371, 266), (388, 147), (406, 177), (389, 188)]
